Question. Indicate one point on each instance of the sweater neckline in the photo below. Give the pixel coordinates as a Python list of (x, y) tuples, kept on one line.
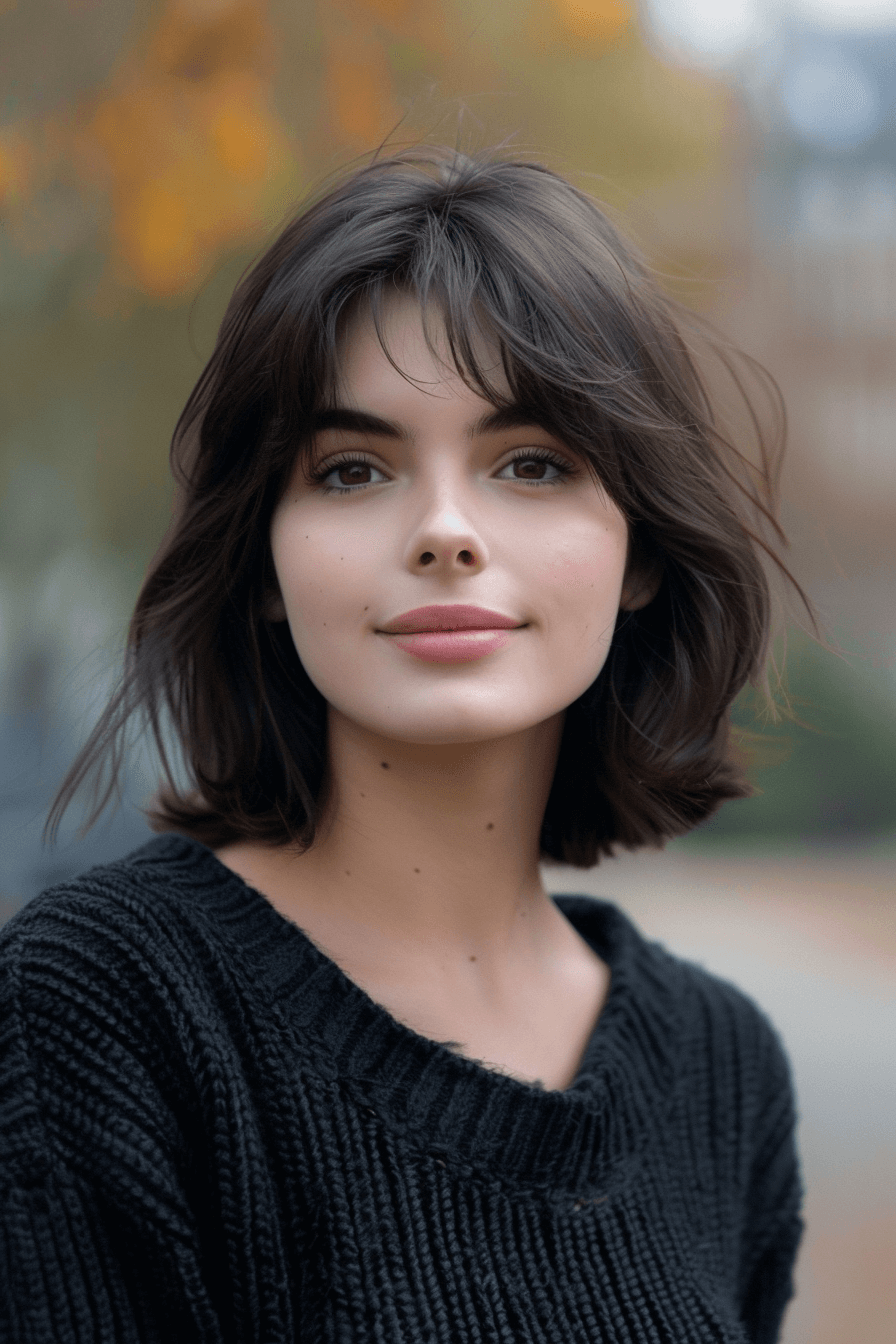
[(581, 1140)]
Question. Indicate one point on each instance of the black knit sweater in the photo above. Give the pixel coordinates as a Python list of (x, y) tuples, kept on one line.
[(209, 1133)]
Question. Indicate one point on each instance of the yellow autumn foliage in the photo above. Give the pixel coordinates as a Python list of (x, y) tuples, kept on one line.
[(188, 141), (16, 160), (196, 137), (593, 20), (359, 93)]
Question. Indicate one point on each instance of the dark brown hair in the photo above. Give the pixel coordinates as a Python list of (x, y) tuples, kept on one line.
[(597, 354)]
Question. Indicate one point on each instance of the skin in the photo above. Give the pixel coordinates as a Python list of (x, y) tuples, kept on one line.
[(424, 884)]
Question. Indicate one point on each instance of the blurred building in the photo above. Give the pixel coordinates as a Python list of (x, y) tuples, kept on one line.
[(826, 105), (817, 80)]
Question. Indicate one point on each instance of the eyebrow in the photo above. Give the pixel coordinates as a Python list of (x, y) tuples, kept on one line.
[(501, 418)]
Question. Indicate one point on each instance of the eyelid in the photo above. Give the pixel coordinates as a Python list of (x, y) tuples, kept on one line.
[(344, 457), (542, 453), (541, 450), (318, 471)]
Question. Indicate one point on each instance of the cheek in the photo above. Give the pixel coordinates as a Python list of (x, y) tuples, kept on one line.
[(582, 569), (320, 575)]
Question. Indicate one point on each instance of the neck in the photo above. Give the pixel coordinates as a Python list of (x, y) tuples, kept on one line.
[(433, 842)]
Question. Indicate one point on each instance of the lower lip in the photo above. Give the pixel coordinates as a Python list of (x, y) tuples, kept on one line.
[(452, 646)]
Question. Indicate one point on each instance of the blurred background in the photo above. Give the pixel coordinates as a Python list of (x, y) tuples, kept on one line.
[(149, 148)]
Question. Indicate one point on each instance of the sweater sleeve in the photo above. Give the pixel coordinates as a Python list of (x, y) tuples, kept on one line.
[(773, 1225), (98, 1239)]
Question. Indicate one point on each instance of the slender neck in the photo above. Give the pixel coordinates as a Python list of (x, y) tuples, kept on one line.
[(436, 843)]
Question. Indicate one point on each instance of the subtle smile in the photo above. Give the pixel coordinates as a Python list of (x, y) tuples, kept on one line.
[(451, 633)]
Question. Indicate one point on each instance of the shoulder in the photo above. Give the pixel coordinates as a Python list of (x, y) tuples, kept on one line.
[(138, 908), (650, 968), (711, 1025), (727, 1031), (727, 1111), (117, 926), (101, 988), (120, 941), (169, 869)]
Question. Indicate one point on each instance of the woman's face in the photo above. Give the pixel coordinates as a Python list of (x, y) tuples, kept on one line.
[(421, 507)]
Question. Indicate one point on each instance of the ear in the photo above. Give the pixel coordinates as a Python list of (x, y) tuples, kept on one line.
[(641, 583)]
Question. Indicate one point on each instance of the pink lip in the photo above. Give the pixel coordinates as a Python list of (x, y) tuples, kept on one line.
[(451, 634), (448, 617)]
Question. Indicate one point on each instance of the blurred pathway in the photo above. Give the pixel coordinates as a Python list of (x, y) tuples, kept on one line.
[(812, 938)]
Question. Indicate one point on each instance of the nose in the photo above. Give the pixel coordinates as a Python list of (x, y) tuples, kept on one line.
[(446, 539)]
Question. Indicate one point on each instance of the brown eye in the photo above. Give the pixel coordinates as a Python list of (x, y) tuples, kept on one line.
[(528, 469), (540, 469), (345, 477), (354, 473)]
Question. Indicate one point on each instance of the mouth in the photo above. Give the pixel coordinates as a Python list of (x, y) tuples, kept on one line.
[(424, 620), (451, 634)]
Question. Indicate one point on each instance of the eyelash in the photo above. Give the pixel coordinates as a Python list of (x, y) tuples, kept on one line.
[(319, 475)]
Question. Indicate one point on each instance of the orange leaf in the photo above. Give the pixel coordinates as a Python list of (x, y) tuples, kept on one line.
[(593, 20), (361, 96)]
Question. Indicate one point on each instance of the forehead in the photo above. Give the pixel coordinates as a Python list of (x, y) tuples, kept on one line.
[(400, 348)]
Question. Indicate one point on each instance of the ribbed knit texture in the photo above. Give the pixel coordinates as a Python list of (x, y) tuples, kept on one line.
[(209, 1133)]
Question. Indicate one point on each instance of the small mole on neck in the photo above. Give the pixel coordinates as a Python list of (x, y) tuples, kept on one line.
[(384, 764), (472, 958), (490, 826)]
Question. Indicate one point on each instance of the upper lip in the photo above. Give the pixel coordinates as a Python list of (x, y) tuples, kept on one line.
[(444, 617)]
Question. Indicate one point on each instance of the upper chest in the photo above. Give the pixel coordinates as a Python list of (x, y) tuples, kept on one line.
[(535, 1029)]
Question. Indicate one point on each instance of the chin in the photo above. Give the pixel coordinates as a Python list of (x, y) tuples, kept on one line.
[(455, 726)]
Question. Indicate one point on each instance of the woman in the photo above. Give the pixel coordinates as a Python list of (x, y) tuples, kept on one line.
[(463, 576)]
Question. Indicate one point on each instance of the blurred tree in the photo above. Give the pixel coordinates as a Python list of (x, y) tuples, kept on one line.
[(217, 113), (827, 767), (185, 142)]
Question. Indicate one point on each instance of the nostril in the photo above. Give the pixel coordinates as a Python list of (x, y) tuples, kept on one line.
[(466, 557), (427, 558)]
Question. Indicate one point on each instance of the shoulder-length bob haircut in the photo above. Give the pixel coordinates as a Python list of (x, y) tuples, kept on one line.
[(595, 352)]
